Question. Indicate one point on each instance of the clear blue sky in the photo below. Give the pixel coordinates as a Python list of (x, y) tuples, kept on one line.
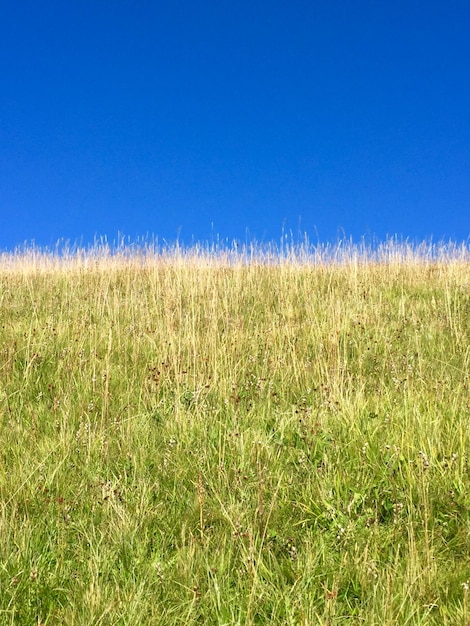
[(191, 118)]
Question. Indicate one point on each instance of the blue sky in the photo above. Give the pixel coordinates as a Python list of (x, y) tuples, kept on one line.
[(189, 119)]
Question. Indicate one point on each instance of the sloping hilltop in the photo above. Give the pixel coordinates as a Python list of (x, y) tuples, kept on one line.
[(193, 440)]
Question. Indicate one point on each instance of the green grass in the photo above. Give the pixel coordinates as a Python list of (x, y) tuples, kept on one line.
[(200, 439)]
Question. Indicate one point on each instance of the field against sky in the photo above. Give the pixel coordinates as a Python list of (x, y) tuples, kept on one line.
[(196, 439)]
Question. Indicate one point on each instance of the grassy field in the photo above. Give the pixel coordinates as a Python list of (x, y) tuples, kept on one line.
[(194, 438)]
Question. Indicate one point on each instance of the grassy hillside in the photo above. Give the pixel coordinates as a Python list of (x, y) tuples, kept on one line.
[(199, 440)]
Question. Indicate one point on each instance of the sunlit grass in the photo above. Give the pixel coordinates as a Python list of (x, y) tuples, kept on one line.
[(235, 435)]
